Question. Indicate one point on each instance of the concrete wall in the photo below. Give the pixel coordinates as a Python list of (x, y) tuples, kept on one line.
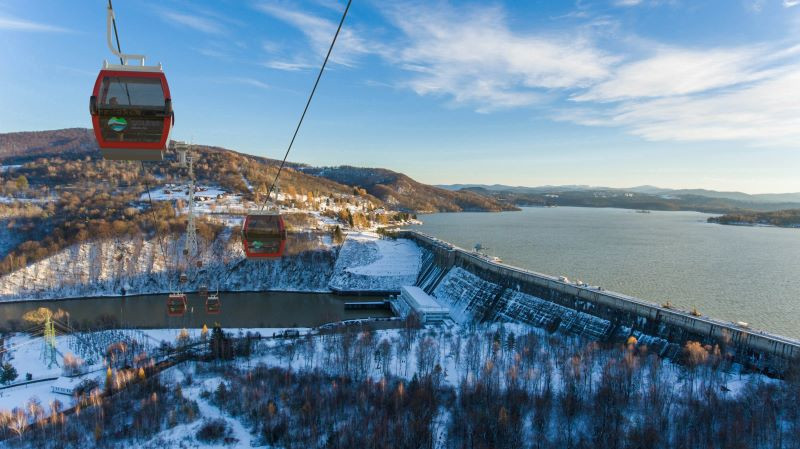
[(760, 349)]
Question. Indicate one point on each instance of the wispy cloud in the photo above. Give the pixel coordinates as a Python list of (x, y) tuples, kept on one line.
[(676, 71), (758, 105), (287, 66), (196, 22), (8, 23), (250, 82), (471, 56), (319, 32), (627, 2)]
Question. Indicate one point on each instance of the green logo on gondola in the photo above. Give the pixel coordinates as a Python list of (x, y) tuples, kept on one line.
[(257, 244), (118, 124)]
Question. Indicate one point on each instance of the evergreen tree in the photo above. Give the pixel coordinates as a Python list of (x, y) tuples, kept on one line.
[(338, 235), (8, 374)]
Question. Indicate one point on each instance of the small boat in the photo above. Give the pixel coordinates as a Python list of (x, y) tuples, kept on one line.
[(642, 211)]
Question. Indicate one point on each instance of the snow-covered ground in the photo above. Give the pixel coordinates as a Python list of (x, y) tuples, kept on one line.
[(24, 353), (13, 199), (138, 266), (106, 267), (367, 262), (463, 354), (208, 199)]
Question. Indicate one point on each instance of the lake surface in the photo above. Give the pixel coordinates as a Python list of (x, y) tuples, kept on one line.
[(241, 309), (737, 273)]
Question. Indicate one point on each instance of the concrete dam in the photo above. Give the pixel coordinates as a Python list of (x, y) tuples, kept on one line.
[(478, 289)]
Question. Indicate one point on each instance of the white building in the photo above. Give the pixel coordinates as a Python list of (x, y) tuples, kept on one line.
[(65, 385), (414, 300)]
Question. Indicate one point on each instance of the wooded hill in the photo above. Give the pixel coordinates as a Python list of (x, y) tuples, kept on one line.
[(782, 218), (401, 192), (63, 158)]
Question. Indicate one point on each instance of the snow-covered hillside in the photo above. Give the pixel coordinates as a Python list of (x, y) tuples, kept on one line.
[(369, 263), (137, 266)]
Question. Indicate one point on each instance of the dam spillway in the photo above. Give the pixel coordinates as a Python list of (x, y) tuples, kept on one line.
[(479, 289)]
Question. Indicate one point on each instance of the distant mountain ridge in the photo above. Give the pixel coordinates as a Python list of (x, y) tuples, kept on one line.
[(792, 197), (625, 199)]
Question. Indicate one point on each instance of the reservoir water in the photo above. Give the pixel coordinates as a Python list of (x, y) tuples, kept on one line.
[(738, 273), (240, 309)]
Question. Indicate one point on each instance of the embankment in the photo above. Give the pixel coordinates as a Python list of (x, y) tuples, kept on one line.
[(478, 289)]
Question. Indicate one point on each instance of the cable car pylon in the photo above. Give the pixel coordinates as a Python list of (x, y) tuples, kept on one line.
[(191, 228)]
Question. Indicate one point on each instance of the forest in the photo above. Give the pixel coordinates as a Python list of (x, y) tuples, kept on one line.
[(789, 218), (496, 387), (491, 386)]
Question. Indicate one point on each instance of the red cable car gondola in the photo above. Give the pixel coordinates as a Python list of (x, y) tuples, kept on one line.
[(213, 304), (176, 304), (131, 107), (131, 113), (264, 236)]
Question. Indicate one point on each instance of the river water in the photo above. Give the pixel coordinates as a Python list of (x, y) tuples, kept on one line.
[(737, 273), (241, 309)]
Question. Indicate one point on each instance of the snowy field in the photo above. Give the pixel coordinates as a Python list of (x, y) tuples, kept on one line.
[(208, 199), (367, 262), (12, 200), (24, 353)]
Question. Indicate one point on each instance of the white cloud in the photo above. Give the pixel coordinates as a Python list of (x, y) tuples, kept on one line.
[(766, 112), (15, 24), (675, 71), (250, 82), (790, 3), (472, 56), (469, 55), (320, 31), (736, 94), (287, 66), (627, 2), (195, 22)]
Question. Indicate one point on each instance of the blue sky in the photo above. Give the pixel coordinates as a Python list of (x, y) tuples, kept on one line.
[(681, 93)]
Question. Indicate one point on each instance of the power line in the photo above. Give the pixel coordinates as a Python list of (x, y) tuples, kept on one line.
[(308, 103), (155, 221)]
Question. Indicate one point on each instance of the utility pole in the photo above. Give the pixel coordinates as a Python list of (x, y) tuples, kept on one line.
[(186, 160), (191, 229), (49, 344)]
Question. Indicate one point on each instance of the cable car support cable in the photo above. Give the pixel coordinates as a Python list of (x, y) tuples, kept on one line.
[(308, 103), (144, 170)]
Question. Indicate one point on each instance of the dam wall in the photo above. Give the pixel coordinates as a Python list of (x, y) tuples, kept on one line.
[(484, 290)]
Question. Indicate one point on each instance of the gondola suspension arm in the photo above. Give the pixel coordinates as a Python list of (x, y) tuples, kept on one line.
[(111, 25)]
